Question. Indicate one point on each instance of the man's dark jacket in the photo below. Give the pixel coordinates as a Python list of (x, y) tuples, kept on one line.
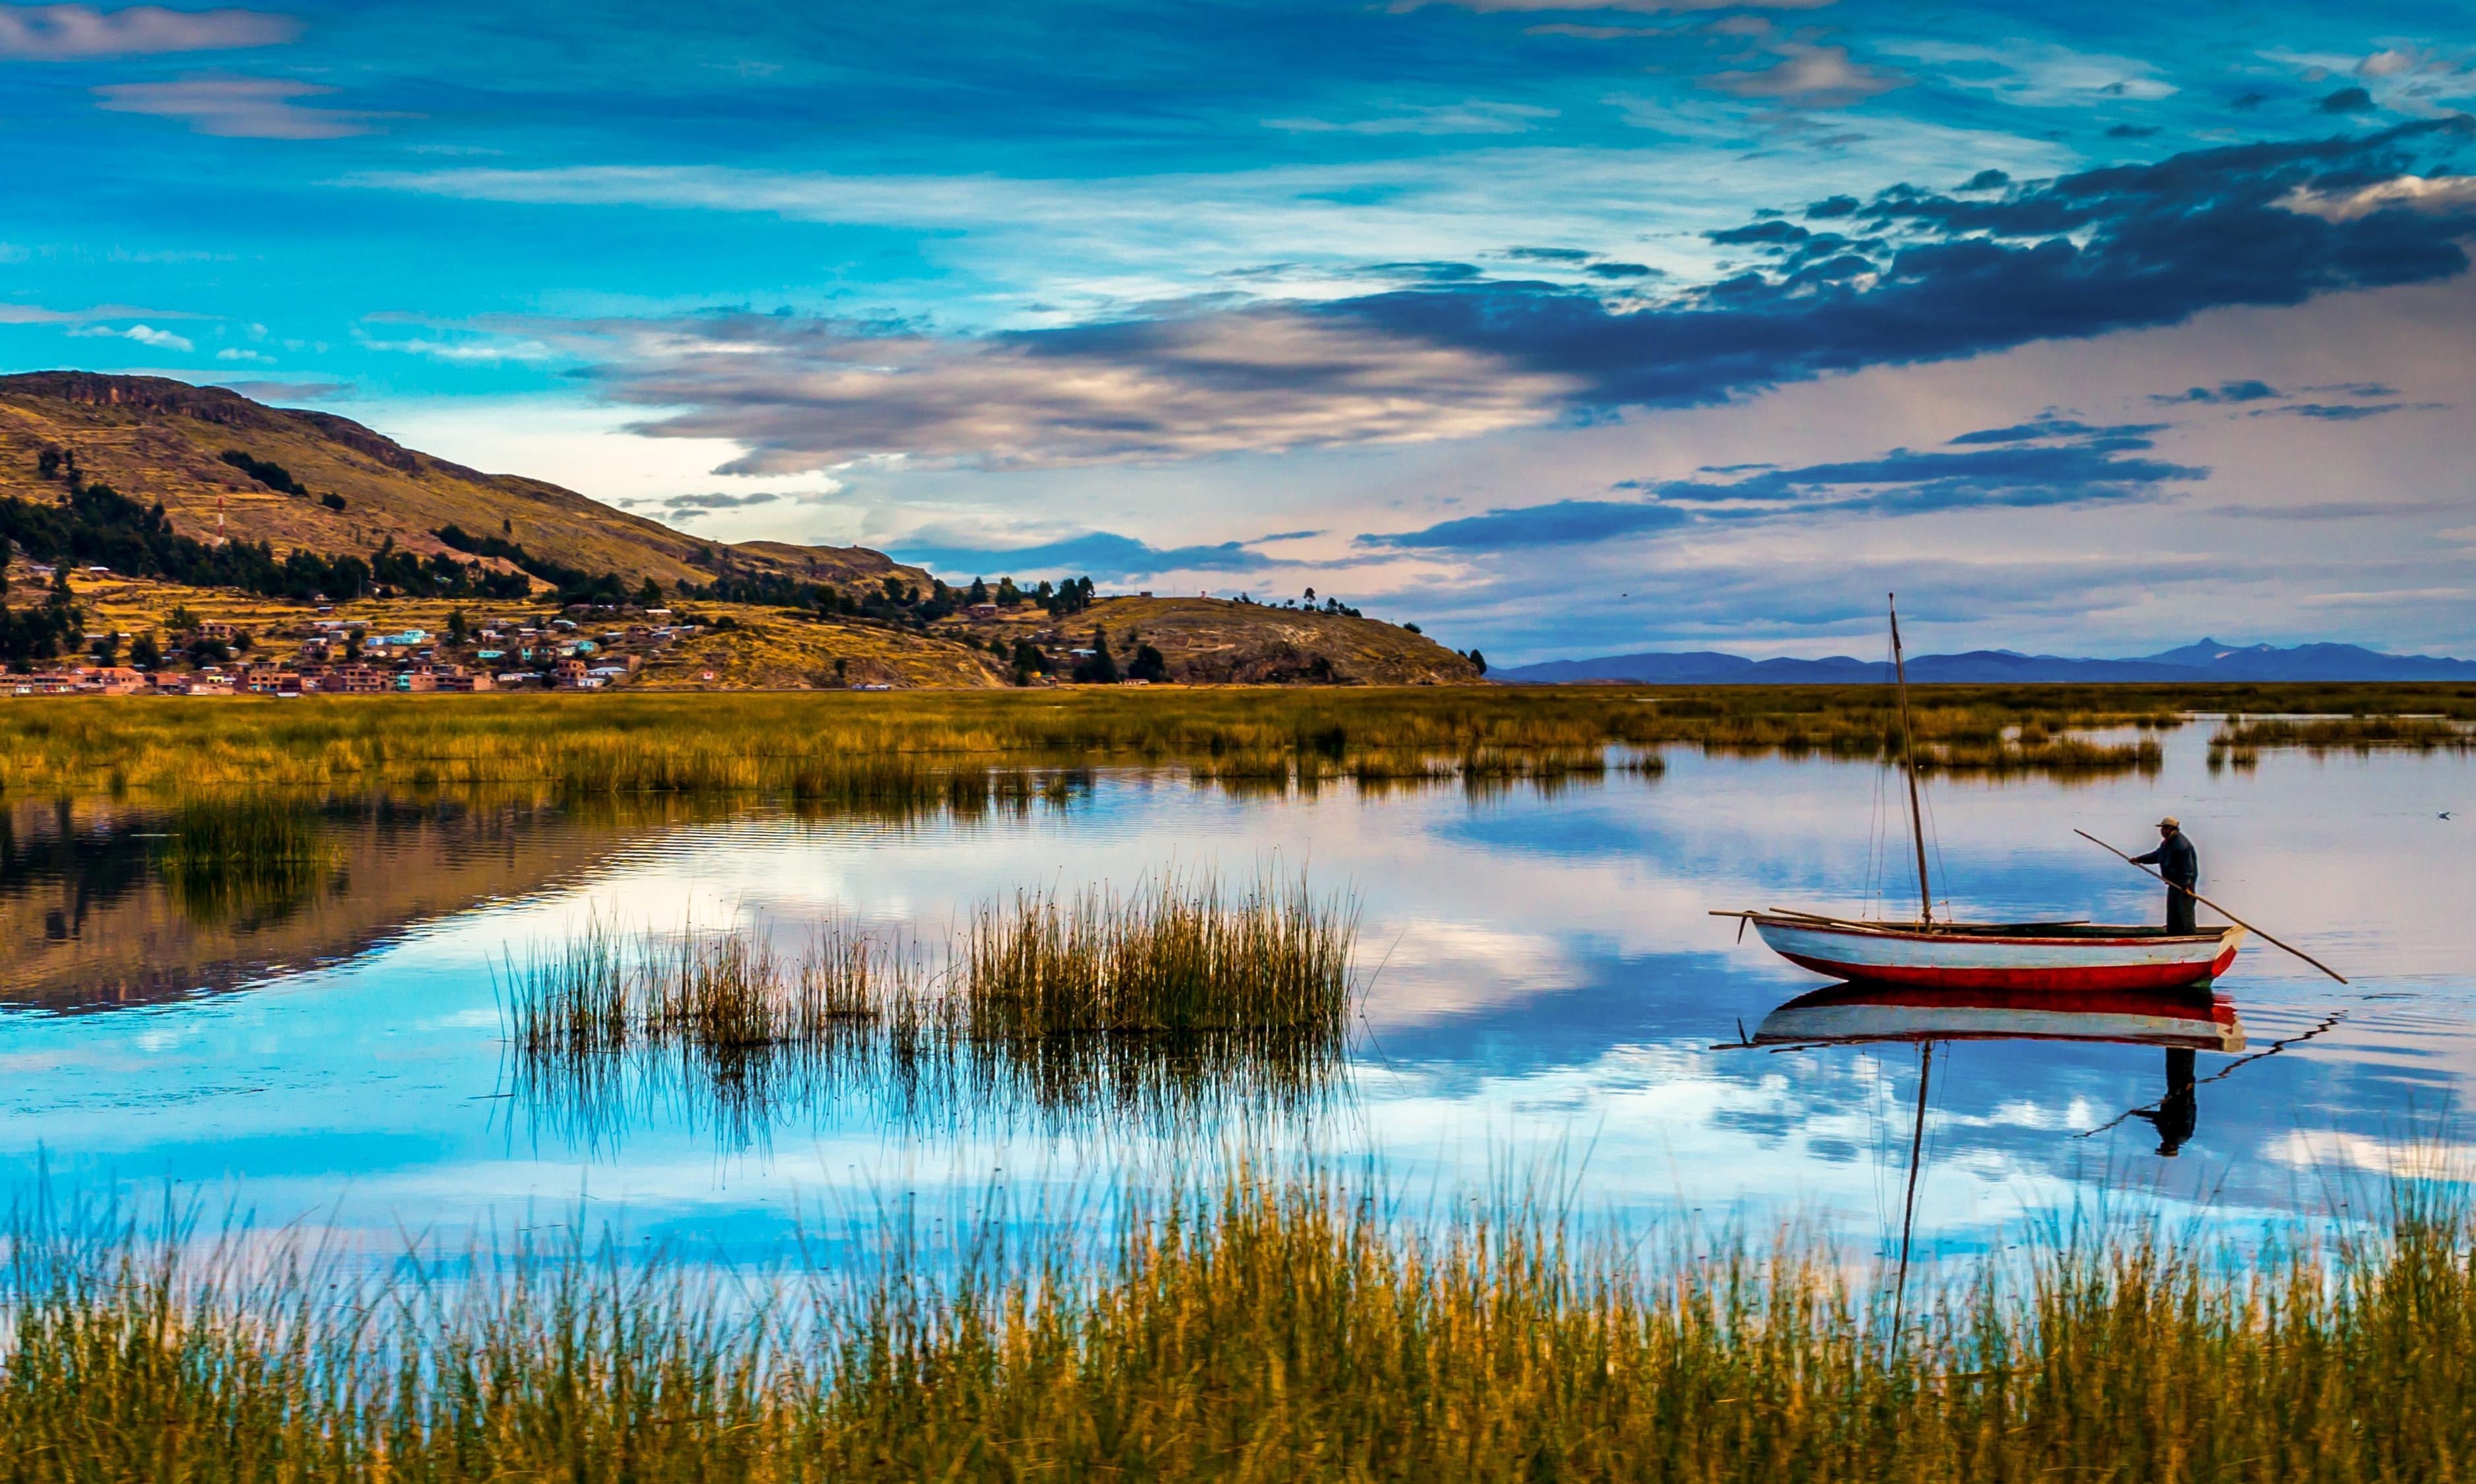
[(2176, 861)]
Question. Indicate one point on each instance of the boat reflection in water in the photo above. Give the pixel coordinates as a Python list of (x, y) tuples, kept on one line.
[(2181, 1022)]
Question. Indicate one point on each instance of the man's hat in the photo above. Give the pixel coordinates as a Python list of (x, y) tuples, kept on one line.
[(2170, 823)]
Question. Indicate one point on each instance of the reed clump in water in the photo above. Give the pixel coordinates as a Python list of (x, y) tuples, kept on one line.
[(1259, 1329), (255, 857), (1174, 1003), (1177, 958)]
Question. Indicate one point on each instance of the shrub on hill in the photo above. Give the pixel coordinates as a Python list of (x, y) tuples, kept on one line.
[(266, 471)]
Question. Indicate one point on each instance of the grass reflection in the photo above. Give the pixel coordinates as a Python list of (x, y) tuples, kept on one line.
[(1176, 1008), (253, 858)]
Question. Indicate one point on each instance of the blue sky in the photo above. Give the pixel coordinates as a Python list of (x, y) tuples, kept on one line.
[(1562, 329)]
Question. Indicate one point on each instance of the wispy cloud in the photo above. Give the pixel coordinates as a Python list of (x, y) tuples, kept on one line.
[(488, 351), (36, 314), (1474, 116), (63, 33), (143, 335), (2349, 411), (240, 108)]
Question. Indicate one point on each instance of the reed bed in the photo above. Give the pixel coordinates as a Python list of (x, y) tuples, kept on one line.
[(1170, 1007), (1252, 1327), (837, 746), (2243, 736)]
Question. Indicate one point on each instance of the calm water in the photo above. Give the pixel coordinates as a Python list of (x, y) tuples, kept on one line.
[(1550, 988)]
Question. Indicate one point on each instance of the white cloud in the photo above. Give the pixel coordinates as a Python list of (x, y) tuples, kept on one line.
[(143, 335), (240, 108), (59, 33), (2412, 192), (236, 354), (1817, 76)]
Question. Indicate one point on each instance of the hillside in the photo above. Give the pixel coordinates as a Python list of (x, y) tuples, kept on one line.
[(316, 488), (159, 440)]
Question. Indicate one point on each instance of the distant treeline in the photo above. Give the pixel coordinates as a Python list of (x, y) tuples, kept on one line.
[(891, 600), (97, 526)]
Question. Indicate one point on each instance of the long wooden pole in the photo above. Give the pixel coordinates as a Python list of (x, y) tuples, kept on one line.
[(1909, 755), (1909, 1208), (2212, 905)]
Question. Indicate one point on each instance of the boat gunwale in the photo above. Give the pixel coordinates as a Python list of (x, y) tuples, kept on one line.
[(2091, 936)]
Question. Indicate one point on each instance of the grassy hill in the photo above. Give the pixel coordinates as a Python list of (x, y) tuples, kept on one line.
[(159, 440), (311, 482)]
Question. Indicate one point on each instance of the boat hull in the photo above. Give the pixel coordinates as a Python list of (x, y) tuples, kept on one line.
[(1850, 1014), (1965, 956)]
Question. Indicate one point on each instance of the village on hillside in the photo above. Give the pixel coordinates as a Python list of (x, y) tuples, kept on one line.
[(118, 636)]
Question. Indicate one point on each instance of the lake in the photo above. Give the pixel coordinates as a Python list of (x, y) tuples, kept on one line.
[(1545, 999)]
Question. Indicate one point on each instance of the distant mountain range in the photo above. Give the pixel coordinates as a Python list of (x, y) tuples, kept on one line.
[(2207, 660)]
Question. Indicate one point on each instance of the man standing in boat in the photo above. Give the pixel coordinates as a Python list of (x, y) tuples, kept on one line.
[(2181, 865)]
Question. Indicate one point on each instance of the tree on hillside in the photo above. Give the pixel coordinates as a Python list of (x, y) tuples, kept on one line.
[(978, 594), (1149, 664), (1479, 659), (649, 594), (144, 652), (1099, 667)]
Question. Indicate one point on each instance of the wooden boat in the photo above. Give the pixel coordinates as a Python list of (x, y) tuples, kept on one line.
[(2051, 957), (1848, 1014), (1965, 958)]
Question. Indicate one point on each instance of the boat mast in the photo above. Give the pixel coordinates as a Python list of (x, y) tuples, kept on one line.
[(1909, 757)]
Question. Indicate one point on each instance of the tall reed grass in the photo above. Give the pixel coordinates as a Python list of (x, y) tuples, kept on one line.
[(1258, 1327), (857, 748), (1176, 1006)]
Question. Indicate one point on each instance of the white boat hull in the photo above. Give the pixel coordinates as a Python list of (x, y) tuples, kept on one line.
[(2001, 956)]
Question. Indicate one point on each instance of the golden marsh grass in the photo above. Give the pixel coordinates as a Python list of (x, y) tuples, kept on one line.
[(1259, 1327), (845, 746)]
